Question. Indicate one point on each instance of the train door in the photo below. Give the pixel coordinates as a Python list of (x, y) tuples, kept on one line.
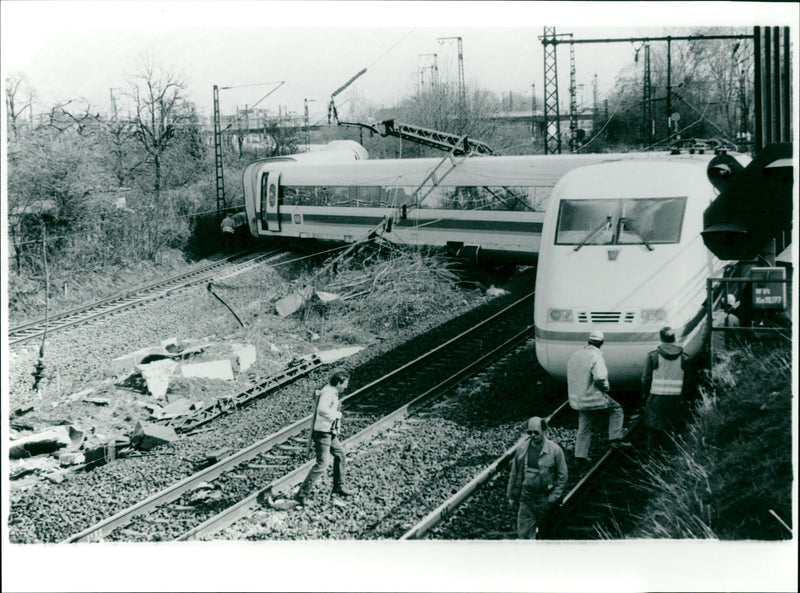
[(270, 216)]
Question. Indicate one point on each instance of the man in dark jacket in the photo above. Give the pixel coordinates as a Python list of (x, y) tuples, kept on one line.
[(537, 479), (662, 388)]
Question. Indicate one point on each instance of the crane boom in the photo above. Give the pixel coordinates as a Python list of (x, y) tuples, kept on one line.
[(459, 145)]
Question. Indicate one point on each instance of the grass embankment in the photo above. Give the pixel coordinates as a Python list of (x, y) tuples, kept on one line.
[(731, 472)]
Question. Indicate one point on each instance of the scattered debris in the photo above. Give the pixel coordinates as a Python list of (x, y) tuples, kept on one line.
[(204, 493), (214, 369), (80, 394), (23, 467), (52, 439), (331, 356), (149, 436), (157, 375), (98, 401), (218, 455), (245, 356), (67, 458), (495, 292)]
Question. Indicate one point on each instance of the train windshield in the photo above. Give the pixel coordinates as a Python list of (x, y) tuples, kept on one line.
[(586, 222), (620, 222)]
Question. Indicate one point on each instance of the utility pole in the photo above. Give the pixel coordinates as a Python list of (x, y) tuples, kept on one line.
[(573, 105), (462, 91), (552, 120), (307, 123), (550, 40), (533, 111), (434, 69), (220, 178)]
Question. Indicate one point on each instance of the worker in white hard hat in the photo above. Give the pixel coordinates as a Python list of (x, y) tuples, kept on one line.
[(588, 387)]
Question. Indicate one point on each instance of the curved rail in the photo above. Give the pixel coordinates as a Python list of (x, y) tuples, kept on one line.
[(293, 478), (129, 298), (292, 433)]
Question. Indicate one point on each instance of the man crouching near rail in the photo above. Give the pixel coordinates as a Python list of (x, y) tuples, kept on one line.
[(538, 478), (326, 425)]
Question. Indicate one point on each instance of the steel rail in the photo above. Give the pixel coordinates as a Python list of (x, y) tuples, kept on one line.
[(246, 506), (127, 293), (444, 511), (122, 301), (99, 530)]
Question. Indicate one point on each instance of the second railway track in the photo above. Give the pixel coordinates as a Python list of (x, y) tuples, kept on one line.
[(136, 296)]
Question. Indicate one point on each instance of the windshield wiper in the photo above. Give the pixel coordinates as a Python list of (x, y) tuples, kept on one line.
[(623, 224), (605, 224)]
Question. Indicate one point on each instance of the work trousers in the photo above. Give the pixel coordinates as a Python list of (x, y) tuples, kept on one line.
[(587, 420), (533, 508), (325, 446)]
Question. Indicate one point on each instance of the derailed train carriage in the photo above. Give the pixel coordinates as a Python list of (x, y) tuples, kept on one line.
[(484, 208)]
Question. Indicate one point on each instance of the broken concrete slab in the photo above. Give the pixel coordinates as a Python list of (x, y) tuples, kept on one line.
[(149, 436), (213, 369), (52, 439), (157, 375), (245, 354)]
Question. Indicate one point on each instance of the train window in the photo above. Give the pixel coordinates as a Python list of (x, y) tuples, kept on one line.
[(369, 196), (264, 178), (656, 220), (585, 221)]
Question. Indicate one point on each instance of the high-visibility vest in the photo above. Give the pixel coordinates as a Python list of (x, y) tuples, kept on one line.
[(668, 377)]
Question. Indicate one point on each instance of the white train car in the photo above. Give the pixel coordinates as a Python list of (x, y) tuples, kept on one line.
[(621, 252), (485, 207)]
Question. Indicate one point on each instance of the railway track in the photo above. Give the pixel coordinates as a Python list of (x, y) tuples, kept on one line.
[(211, 498), (137, 296), (595, 504), (605, 502)]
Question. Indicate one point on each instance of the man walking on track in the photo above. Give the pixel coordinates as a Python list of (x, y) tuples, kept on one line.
[(588, 387), (537, 479), (326, 426)]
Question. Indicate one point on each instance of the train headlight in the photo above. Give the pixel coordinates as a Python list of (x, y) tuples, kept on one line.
[(653, 315), (559, 314)]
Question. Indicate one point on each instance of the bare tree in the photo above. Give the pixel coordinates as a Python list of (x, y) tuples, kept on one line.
[(16, 85), (160, 112)]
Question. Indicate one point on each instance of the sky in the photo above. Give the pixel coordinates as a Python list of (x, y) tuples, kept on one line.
[(74, 49), (277, 54)]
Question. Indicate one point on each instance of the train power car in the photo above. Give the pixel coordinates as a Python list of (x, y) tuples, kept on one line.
[(481, 207), (621, 252)]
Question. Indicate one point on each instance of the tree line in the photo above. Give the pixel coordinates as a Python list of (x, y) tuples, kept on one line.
[(90, 190)]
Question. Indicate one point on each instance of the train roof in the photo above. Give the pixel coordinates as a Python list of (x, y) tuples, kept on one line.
[(523, 170)]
